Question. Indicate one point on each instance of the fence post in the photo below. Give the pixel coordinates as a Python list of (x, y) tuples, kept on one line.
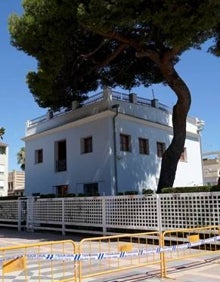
[(30, 213), (63, 216), (103, 216), (19, 215), (161, 240), (159, 219)]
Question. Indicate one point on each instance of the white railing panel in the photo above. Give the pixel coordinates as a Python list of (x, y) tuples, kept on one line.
[(112, 213)]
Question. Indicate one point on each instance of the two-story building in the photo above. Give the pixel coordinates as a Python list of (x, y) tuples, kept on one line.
[(111, 143), (3, 169)]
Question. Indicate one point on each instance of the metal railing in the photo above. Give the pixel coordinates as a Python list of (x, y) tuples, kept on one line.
[(39, 262), (184, 244), (94, 99), (118, 253), (109, 255)]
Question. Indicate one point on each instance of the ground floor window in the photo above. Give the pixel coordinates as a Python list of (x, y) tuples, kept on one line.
[(61, 190), (91, 189)]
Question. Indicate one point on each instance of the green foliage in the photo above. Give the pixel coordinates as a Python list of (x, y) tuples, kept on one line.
[(2, 132), (6, 198), (147, 191), (21, 158), (47, 196), (80, 44), (130, 192), (194, 189)]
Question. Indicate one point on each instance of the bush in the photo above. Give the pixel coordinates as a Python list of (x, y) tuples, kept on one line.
[(147, 191), (47, 196), (130, 193), (194, 189), (215, 188)]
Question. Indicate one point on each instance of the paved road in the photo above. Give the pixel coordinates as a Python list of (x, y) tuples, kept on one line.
[(191, 270)]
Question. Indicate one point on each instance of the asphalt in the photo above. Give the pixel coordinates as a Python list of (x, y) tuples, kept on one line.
[(200, 269)]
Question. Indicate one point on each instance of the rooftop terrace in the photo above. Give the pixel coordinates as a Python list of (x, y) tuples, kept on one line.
[(143, 108)]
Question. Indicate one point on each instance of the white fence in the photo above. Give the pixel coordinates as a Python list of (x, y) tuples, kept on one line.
[(112, 214)]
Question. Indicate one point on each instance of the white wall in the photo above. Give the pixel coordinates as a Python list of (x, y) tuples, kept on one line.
[(135, 171), (81, 168), (190, 173)]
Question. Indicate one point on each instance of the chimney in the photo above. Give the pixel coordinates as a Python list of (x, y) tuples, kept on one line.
[(50, 114), (132, 98), (154, 103), (75, 105)]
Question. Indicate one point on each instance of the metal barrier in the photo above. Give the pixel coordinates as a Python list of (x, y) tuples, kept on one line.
[(104, 255), (39, 262), (69, 261), (185, 244)]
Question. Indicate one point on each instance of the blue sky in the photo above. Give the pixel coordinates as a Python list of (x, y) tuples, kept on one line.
[(199, 69)]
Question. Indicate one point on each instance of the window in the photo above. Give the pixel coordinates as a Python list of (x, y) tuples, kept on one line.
[(38, 156), (143, 146), (161, 147), (60, 155), (10, 186), (86, 145), (91, 189), (183, 156), (2, 169), (125, 143), (2, 150), (62, 190)]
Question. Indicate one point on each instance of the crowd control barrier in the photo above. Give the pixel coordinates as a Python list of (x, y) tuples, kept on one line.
[(188, 245), (65, 261), (104, 255), (38, 262)]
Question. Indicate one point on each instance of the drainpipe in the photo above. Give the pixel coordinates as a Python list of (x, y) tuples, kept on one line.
[(200, 125), (116, 106)]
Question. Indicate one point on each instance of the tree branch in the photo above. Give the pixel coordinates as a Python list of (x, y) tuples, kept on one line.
[(86, 56), (112, 56), (153, 55)]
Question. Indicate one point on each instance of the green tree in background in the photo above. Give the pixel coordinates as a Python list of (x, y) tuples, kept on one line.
[(21, 158), (80, 45), (2, 132)]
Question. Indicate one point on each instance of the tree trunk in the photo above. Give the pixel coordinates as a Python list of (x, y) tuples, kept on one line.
[(180, 111)]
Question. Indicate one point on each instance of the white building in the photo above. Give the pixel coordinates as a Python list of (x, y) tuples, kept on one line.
[(211, 167), (112, 143), (3, 169)]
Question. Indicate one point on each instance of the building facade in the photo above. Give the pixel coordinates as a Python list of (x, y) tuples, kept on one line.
[(3, 169), (111, 143), (211, 167), (16, 181)]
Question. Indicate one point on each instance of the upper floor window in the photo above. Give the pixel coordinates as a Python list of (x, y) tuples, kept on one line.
[(86, 145), (2, 150), (161, 147), (125, 143), (143, 146), (60, 155), (2, 169), (38, 156), (183, 156)]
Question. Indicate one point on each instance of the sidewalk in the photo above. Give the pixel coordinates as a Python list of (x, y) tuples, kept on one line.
[(195, 269), (190, 271)]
